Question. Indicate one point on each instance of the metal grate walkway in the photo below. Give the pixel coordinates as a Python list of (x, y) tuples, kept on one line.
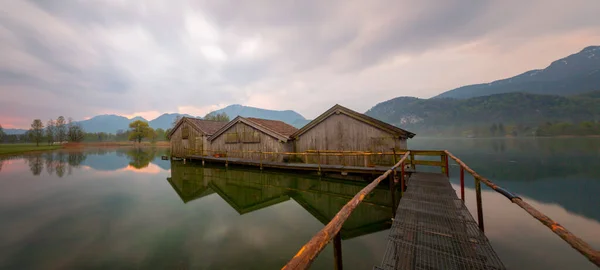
[(434, 230)]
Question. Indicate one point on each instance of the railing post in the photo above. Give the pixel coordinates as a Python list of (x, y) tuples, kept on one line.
[(446, 164), (261, 158), (392, 180), (402, 180), (462, 183), (412, 161), (319, 161), (479, 204), (337, 252)]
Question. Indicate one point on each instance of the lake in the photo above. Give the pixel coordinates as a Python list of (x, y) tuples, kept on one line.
[(127, 208)]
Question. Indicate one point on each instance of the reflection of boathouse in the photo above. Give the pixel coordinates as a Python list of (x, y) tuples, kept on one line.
[(248, 191)]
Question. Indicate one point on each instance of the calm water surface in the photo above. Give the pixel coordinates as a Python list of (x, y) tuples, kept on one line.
[(126, 208)]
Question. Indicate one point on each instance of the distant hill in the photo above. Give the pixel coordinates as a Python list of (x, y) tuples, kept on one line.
[(575, 74), (111, 123), (107, 123), (287, 116), (164, 121), (299, 123), (14, 131), (429, 115)]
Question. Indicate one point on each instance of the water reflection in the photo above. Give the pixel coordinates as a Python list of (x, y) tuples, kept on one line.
[(140, 157), (55, 162), (248, 190), (61, 163)]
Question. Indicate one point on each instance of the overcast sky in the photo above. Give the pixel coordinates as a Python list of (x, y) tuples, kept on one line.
[(126, 57)]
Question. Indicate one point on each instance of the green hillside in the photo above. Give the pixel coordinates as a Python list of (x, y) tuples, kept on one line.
[(519, 112)]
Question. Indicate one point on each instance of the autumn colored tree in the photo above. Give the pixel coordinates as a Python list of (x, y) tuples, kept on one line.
[(139, 130)]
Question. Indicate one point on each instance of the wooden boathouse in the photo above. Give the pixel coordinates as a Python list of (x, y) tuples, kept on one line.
[(245, 137), (191, 134), (342, 129)]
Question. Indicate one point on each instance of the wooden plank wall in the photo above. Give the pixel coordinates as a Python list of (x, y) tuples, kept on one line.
[(341, 132), (267, 144), (180, 147)]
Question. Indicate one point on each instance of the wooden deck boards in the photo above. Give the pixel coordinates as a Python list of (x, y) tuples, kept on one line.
[(295, 166), (433, 229)]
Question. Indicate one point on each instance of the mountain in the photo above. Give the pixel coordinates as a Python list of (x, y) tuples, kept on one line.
[(164, 121), (107, 123), (433, 115), (299, 123), (575, 74), (14, 131), (287, 116)]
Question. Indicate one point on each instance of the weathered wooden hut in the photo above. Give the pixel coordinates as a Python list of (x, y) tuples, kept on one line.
[(242, 136), (342, 129), (189, 136)]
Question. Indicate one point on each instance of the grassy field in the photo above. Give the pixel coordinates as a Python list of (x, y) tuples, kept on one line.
[(11, 149)]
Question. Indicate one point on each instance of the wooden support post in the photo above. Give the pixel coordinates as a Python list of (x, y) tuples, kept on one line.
[(183, 160), (394, 150), (319, 161), (337, 252), (412, 162), (447, 166), (479, 204), (462, 183), (392, 179), (402, 186), (366, 160)]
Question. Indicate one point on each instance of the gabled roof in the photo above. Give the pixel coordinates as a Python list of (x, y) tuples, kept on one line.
[(273, 128), (358, 116), (207, 127), (275, 125)]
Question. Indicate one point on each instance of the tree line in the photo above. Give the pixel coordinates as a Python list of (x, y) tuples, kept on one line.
[(63, 129)]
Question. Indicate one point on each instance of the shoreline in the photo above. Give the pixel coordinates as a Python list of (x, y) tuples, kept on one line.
[(7, 150)]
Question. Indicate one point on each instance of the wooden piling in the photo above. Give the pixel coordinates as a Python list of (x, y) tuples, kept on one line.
[(337, 252)]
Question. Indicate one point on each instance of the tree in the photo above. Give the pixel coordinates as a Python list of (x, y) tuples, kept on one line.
[(493, 129), (75, 132), (160, 134), (50, 131), (2, 134), (175, 121), (221, 117), (152, 135), (167, 132), (61, 129), (501, 130), (37, 131), (139, 130)]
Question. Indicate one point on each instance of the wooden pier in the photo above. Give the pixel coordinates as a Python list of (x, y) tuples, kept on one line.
[(376, 170), (434, 230)]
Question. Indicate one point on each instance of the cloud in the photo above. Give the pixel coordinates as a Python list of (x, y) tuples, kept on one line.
[(80, 58)]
